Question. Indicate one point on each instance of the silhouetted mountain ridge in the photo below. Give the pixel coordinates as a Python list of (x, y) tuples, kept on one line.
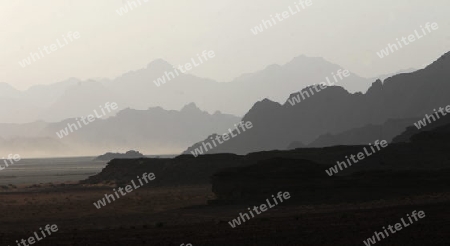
[(334, 110)]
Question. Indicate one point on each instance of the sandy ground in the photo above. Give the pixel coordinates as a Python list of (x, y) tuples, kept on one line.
[(176, 215)]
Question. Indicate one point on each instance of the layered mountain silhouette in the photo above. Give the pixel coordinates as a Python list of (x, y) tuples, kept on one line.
[(360, 136), (154, 130), (334, 110), (438, 126), (136, 89)]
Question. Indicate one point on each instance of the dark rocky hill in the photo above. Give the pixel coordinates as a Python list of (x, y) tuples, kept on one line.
[(426, 153)]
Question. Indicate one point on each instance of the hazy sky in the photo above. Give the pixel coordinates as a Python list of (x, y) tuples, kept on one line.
[(346, 32)]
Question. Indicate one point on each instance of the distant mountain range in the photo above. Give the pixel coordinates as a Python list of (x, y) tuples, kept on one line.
[(361, 135), (334, 110), (136, 89), (333, 116), (152, 131)]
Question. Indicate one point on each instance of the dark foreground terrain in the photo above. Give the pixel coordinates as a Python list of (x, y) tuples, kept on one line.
[(150, 217)]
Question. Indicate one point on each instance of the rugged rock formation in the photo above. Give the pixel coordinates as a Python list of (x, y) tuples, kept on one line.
[(131, 154)]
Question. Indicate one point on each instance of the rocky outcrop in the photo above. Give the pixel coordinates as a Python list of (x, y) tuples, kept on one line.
[(131, 154)]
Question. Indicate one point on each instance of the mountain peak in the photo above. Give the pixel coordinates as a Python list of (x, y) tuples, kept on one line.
[(310, 62), (265, 105), (306, 58), (376, 87), (191, 107), (159, 64)]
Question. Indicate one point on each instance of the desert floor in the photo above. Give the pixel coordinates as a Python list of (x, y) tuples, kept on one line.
[(176, 215)]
